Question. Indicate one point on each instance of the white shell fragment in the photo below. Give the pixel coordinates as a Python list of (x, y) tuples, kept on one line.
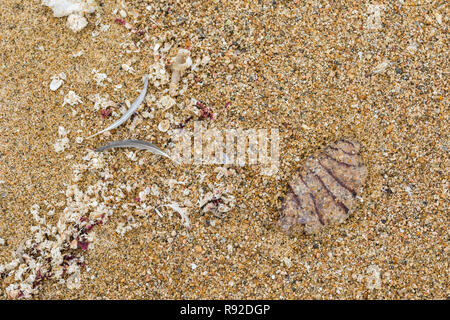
[(55, 84), (164, 126), (158, 75), (63, 142), (165, 102), (57, 81), (62, 8)]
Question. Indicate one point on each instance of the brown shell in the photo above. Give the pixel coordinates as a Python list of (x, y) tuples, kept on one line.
[(324, 190)]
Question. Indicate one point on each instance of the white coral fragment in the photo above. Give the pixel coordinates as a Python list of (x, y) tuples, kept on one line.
[(62, 143), (164, 125), (179, 64), (75, 9), (165, 102), (181, 211), (76, 22), (158, 75), (72, 98), (100, 77), (101, 102)]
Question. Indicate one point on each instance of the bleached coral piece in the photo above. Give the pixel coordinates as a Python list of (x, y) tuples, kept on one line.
[(374, 277), (179, 64), (62, 8), (158, 75), (164, 125), (72, 98), (100, 77), (75, 9), (165, 102), (76, 22)]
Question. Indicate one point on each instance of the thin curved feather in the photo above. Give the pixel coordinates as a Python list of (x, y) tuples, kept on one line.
[(129, 112), (138, 144)]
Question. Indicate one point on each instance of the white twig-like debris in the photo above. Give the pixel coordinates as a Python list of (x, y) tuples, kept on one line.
[(185, 219), (179, 64), (71, 98), (129, 112)]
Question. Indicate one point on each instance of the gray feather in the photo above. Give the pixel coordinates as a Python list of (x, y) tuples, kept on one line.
[(129, 112), (138, 144)]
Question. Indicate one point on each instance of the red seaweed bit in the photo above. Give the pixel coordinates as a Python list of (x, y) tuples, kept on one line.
[(120, 21), (205, 112), (68, 257), (38, 279), (90, 226), (215, 201), (83, 245), (105, 113), (137, 199), (227, 104)]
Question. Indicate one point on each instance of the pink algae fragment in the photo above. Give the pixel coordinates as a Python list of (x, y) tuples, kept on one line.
[(83, 245), (120, 21), (105, 113)]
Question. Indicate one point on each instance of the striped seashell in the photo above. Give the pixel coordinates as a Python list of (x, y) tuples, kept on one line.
[(324, 191)]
